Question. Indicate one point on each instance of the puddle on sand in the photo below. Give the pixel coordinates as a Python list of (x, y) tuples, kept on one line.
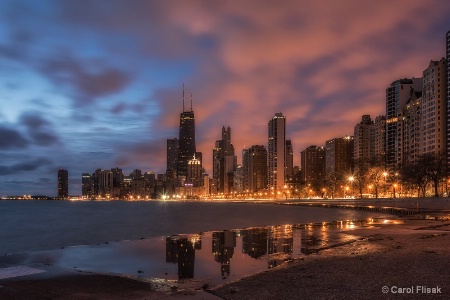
[(208, 259)]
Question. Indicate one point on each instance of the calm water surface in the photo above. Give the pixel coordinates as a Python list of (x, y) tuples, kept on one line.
[(165, 242), (43, 225)]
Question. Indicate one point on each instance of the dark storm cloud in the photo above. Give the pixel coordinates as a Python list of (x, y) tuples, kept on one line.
[(12, 139), (39, 129), (33, 121), (87, 80), (24, 166)]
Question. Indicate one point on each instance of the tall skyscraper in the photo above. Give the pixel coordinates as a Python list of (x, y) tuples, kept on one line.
[(217, 152), (276, 155), (86, 185), (172, 154), (186, 139), (397, 94), (224, 162), (289, 159), (448, 99), (245, 168), (434, 103), (63, 183)]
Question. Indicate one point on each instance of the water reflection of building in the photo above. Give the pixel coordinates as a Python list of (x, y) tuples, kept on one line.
[(254, 242), (281, 240), (223, 243), (181, 250)]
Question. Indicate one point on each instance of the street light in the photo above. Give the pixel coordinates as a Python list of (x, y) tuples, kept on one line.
[(385, 174), (351, 178)]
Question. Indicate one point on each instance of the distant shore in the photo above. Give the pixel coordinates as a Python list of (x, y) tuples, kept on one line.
[(410, 258)]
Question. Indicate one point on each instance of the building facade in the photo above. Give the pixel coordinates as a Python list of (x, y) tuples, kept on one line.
[(289, 160), (194, 175), (448, 99), (364, 139), (313, 165), (397, 94), (257, 168), (172, 154), (410, 125), (186, 140), (434, 104), (339, 155), (224, 163), (276, 154), (63, 183), (380, 137)]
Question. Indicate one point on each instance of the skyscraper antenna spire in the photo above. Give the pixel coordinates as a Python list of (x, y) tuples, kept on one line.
[(183, 97), (191, 101)]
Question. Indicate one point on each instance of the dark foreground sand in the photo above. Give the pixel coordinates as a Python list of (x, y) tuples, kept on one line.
[(389, 256)]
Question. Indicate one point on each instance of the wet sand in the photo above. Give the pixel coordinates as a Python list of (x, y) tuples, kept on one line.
[(412, 256), (409, 255)]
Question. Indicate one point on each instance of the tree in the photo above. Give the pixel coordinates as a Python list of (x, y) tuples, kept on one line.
[(436, 169), (361, 173), (429, 167), (376, 178)]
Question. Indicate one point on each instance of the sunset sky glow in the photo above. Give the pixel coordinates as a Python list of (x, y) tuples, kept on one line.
[(98, 84)]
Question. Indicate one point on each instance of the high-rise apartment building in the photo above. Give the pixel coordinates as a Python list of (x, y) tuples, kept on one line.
[(103, 182), (63, 183), (370, 140), (289, 160), (172, 154), (257, 168), (186, 139), (86, 185), (364, 139), (276, 155), (448, 98), (397, 94), (380, 137), (339, 156), (313, 165), (434, 108), (410, 126)]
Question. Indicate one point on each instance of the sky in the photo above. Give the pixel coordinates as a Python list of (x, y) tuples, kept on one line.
[(98, 84)]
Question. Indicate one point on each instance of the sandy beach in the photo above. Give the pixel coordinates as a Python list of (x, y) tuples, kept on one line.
[(414, 254), (407, 255)]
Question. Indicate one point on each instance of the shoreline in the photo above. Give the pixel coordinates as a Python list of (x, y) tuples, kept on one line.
[(397, 256), (402, 255)]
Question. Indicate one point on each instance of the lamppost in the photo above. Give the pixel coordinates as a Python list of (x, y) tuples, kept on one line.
[(394, 186), (351, 178), (385, 174)]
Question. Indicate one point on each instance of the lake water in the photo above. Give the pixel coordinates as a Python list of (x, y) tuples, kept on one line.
[(163, 242)]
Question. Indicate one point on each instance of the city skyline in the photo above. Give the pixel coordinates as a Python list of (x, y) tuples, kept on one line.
[(92, 87)]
